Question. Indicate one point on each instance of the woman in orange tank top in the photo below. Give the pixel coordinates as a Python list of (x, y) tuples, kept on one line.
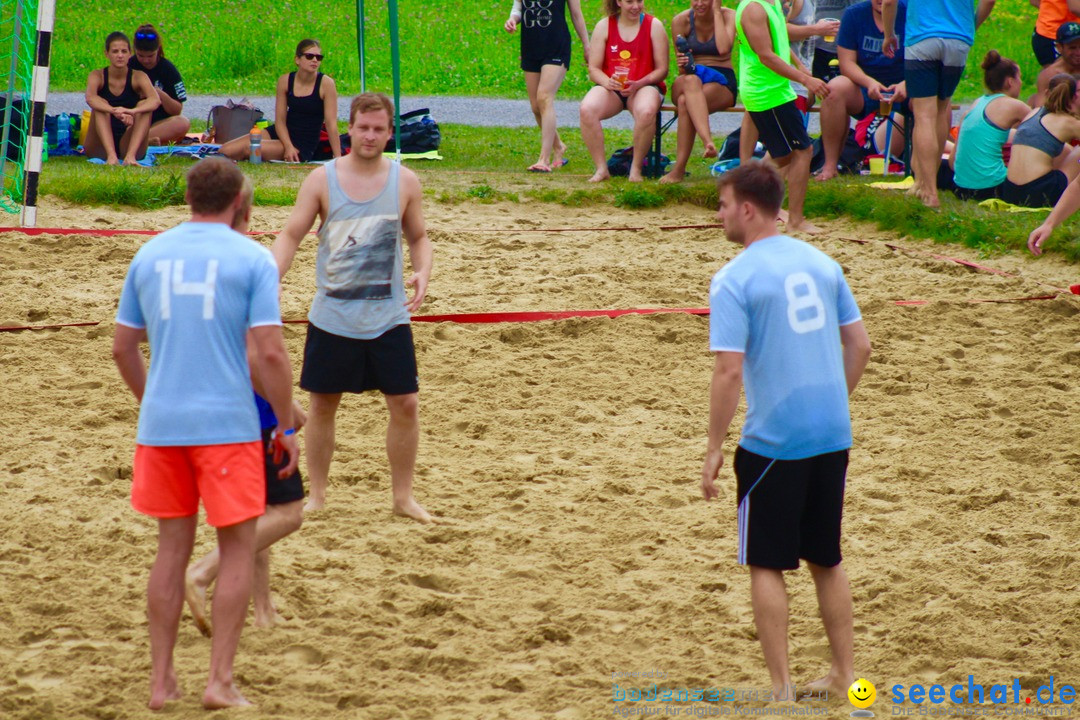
[(628, 61)]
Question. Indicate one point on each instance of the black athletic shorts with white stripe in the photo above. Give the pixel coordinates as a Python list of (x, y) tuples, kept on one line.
[(781, 129), (790, 509)]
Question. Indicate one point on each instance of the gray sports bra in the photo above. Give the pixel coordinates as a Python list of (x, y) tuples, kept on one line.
[(1032, 133)]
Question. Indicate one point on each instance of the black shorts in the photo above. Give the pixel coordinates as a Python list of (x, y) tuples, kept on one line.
[(334, 364), (1044, 48), (1040, 192), (790, 509), (781, 129), (279, 491), (535, 55)]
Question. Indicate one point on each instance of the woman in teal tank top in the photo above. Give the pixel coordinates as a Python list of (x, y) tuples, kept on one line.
[(977, 162)]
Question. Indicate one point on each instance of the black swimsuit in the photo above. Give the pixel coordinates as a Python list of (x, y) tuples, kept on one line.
[(128, 98), (303, 119)]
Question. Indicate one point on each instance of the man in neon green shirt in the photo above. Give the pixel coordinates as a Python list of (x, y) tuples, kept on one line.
[(764, 83)]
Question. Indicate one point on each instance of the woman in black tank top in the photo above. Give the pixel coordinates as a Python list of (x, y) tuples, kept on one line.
[(122, 101), (545, 58), (306, 100)]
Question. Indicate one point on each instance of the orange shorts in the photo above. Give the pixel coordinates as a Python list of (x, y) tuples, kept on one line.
[(167, 482)]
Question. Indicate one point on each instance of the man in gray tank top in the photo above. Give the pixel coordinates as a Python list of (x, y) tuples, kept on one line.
[(359, 337)]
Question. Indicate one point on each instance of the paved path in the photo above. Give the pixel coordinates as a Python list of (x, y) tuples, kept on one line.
[(485, 112)]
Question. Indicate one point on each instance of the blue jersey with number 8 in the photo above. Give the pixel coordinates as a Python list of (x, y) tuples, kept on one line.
[(781, 302), (196, 289)]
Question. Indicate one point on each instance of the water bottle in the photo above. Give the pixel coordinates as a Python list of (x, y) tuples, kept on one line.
[(683, 46), (255, 137), (63, 132)]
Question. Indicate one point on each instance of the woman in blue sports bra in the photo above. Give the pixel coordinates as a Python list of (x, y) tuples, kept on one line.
[(1040, 165), (710, 85), (306, 102)]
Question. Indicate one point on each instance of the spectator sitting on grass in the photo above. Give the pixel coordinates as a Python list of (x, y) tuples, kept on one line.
[(1041, 165), (1068, 62), (628, 61), (978, 166), (121, 100), (306, 102), (865, 73), (167, 124)]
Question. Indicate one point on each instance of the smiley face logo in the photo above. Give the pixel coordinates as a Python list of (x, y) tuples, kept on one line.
[(862, 694)]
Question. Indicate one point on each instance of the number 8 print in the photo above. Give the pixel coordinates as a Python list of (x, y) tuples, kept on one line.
[(799, 302)]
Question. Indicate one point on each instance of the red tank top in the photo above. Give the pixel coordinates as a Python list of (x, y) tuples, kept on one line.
[(637, 55)]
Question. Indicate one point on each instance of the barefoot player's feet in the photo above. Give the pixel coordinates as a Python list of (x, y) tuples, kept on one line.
[(831, 683), (223, 696), (411, 509), (826, 174), (803, 226), (266, 617), (710, 150), (315, 502), (600, 176), (195, 595), (169, 690)]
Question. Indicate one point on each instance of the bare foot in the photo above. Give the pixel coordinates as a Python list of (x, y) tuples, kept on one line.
[(131, 162), (600, 176), (223, 696), (675, 176), (930, 200), (170, 690), (636, 177), (803, 226), (267, 617), (830, 683), (314, 503), (782, 216), (826, 174), (112, 161), (710, 150), (411, 509), (195, 595)]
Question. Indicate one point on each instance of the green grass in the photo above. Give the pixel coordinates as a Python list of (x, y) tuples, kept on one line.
[(487, 165), (236, 47), (957, 221)]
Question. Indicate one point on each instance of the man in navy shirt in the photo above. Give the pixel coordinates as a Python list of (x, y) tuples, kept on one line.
[(865, 73)]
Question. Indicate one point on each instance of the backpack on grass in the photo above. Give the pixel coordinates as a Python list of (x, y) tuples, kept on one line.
[(620, 161)]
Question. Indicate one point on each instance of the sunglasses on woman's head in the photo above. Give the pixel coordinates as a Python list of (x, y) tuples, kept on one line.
[(146, 36), (312, 56)]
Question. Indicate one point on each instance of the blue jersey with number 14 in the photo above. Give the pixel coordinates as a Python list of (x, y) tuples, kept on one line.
[(197, 289), (781, 302)]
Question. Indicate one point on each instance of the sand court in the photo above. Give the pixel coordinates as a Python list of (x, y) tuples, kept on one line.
[(563, 459)]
